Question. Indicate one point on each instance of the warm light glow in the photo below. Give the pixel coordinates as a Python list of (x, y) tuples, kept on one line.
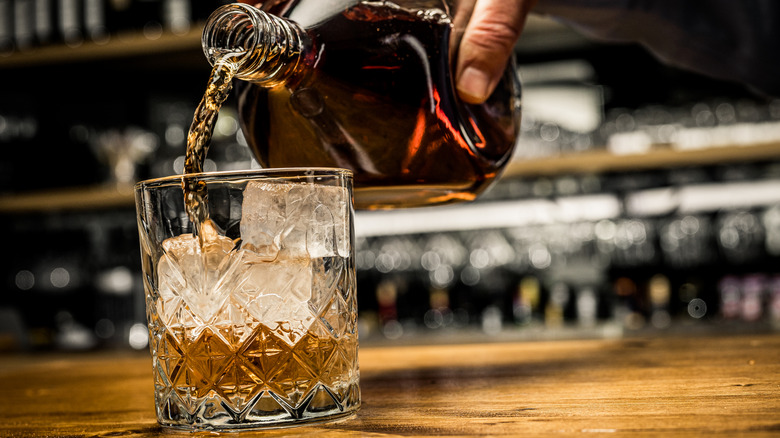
[(417, 138)]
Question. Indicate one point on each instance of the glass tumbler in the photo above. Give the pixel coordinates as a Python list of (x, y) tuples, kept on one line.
[(252, 308)]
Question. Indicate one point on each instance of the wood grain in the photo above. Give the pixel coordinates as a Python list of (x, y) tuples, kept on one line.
[(711, 386)]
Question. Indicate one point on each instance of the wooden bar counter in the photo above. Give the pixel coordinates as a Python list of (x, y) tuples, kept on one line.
[(661, 386)]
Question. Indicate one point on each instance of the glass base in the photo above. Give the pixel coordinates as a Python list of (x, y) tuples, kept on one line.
[(266, 411)]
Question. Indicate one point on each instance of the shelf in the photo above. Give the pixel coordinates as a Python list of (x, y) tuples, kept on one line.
[(86, 198), (69, 199), (540, 32), (543, 34), (598, 161), (119, 46)]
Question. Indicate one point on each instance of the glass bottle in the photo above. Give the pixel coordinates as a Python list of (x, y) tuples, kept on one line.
[(367, 86)]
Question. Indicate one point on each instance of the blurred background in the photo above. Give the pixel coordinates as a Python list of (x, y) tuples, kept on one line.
[(642, 200)]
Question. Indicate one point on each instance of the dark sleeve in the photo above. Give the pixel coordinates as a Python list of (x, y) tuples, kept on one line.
[(736, 40)]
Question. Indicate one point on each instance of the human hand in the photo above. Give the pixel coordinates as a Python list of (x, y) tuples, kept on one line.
[(487, 44)]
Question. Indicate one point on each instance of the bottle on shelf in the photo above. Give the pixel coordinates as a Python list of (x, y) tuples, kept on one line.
[(6, 27), (70, 23), (24, 24)]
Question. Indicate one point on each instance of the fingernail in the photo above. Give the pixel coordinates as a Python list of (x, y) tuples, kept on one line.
[(473, 85)]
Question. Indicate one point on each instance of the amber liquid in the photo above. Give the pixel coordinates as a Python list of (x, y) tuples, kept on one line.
[(199, 138), (379, 100), (317, 375)]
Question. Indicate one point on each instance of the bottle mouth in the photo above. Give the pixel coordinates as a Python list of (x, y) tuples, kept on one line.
[(231, 34)]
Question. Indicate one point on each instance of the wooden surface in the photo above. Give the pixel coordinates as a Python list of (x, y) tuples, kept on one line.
[(707, 386)]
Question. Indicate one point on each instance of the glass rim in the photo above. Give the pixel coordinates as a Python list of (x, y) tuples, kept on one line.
[(229, 175)]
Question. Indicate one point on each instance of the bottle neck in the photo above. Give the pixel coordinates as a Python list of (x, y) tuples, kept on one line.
[(264, 48)]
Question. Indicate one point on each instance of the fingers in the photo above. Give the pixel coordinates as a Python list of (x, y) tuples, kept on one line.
[(487, 44)]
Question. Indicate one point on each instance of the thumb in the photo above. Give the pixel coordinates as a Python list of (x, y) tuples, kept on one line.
[(487, 44)]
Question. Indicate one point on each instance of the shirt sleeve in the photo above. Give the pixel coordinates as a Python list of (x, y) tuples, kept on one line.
[(736, 40)]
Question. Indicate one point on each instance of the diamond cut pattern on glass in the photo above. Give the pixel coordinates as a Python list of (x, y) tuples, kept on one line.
[(327, 273), (209, 356), (170, 357), (256, 354), (238, 385), (316, 347), (323, 400), (264, 353), (335, 316), (201, 277), (292, 381), (263, 378)]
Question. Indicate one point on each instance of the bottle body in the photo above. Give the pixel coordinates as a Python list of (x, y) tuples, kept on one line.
[(375, 94)]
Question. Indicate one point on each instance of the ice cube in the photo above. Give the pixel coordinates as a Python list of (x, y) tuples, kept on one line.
[(297, 201), (275, 293), (200, 277), (316, 221), (332, 212), (263, 217), (301, 220)]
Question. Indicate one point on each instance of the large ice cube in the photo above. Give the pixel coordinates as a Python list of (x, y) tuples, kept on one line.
[(318, 220), (301, 220), (276, 293), (200, 277), (332, 211), (263, 217)]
